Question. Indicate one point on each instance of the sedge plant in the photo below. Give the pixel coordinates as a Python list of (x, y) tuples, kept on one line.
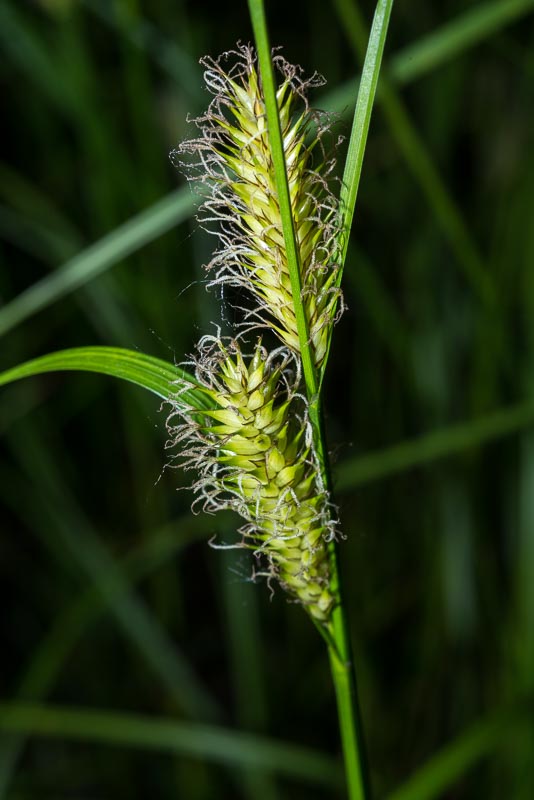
[(246, 419)]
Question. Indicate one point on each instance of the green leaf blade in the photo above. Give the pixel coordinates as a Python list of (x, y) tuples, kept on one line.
[(215, 744), (259, 25), (453, 38), (484, 738), (360, 129), (153, 374), (438, 444), (98, 257), (362, 118)]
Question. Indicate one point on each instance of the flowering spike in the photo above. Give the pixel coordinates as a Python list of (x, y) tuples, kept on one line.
[(253, 454), (234, 159)]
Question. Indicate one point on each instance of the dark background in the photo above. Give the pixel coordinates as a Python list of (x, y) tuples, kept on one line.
[(107, 580)]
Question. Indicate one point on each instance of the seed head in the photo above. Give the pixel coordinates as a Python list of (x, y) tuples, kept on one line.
[(233, 157), (253, 454)]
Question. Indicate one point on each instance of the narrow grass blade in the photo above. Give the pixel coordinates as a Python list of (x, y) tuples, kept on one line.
[(167, 663), (151, 373), (439, 198), (261, 36), (96, 259), (429, 52), (22, 45), (438, 444), (219, 745), (50, 656), (362, 119), (69, 534), (165, 51), (32, 236), (23, 196), (365, 283), (311, 378), (246, 661), (447, 766), (39, 229), (340, 653), (158, 548), (467, 30), (360, 129)]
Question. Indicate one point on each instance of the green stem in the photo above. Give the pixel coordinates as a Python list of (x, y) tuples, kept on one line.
[(261, 36), (344, 678), (336, 632), (341, 660)]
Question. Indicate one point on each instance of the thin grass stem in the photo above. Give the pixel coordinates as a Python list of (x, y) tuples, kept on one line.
[(344, 679), (337, 631), (259, 25)]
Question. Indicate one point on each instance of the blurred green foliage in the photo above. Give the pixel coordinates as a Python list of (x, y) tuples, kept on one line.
[(112, 600)]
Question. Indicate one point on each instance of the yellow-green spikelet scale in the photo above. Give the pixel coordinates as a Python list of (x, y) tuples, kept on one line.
[(257, 461), (235, 151)]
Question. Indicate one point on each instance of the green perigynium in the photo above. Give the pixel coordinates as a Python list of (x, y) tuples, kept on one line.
[(255, 451), (233, 159), (253, 454)]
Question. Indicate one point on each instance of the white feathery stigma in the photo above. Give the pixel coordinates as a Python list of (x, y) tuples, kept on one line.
[(253, 452)]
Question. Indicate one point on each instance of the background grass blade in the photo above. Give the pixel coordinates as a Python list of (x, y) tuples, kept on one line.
[(420, 163), (74, 623), (454, 37), (444, 769), (151, 373), (164, 50), (214, 744), (23, 46), (247, 659), (67, 530), (117, 245), (438, 444)]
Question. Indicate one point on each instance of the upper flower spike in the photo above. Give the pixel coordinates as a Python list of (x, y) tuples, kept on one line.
[(234, 160)]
